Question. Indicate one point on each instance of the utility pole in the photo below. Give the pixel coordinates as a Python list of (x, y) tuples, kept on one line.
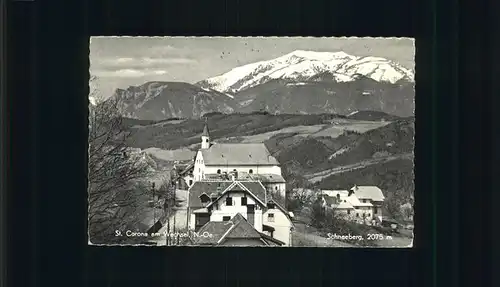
[(175, 213), (154, 203), (167, 211)]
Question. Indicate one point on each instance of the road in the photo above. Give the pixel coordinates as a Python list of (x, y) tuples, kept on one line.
[(319, 176)]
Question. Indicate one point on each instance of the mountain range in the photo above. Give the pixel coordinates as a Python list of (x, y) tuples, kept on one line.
[(301, 82)]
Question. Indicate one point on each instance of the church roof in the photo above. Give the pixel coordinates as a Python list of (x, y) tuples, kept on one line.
[(238, 154)]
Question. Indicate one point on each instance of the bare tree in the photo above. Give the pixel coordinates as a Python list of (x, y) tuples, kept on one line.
[(298, 198), (115, 174)]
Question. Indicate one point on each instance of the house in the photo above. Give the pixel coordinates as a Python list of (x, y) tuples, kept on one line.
[(372, 195), (363, 202), (236, 231), (339, 204), (181, 175), (219, 201), (277, 222), (274, 183), (226, 158)]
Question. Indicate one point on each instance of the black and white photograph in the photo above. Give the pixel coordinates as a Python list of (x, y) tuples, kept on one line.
[(251, 141)]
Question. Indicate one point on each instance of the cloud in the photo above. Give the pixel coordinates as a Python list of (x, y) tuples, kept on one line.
[(139, 63), (128, 73)]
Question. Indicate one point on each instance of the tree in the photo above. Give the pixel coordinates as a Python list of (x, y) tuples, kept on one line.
[(318, 214), (299, 197), (407, 211), (116, 174)]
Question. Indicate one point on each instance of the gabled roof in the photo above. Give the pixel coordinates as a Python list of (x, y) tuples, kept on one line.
[(238, 154), (343, 205), (255, 189), (236, 228), (368, 192), (207, 187), (241, 229)]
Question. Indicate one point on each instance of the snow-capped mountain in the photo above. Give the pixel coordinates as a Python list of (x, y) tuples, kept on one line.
[(306, 66)]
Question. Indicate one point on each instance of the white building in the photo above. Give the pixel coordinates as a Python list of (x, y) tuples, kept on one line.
[(248, 161), (219, 201), (363, 203)]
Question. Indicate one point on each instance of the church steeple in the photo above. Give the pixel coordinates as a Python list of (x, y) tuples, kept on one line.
[(205, 137), (205, 131)]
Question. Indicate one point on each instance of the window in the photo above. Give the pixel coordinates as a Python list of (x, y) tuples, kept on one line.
[(234, 169), (357, 214), (190, 181), (218, 171), (216, 207), (364, 215), (375, 211), (226, 218), (229, 201), (270, 217), (368, 215), (276, 188), (348, 211), (243, 201), (364, 200), (250, 171), (206, 140), (204, 198)]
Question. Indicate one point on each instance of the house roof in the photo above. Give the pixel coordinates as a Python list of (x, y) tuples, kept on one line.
[(255, 189), (354, 201), (207, 187), (242, 229), (343, 205), (335, 192), (238, 154), (216, 229), (368, 192), (329, 200), (269, 239), (236, 228)]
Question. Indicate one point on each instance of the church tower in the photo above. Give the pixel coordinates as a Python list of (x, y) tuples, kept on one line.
[(205, 137)]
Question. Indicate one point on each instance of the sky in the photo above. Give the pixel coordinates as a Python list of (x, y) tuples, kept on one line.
[(120, 62)]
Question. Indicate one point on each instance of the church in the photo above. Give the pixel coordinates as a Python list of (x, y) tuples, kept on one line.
[(241, 161)]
